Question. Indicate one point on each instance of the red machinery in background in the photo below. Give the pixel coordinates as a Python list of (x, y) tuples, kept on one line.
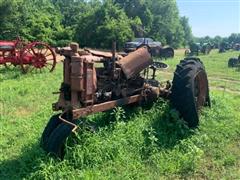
[(29, 56)]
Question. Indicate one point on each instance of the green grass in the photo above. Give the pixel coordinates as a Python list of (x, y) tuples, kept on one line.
[(131, 143)]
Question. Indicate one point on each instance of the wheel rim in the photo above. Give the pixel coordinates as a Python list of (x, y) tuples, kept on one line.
[(38, 57), (200, 89)]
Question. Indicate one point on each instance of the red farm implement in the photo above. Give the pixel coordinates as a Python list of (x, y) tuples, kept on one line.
[(34, 56)]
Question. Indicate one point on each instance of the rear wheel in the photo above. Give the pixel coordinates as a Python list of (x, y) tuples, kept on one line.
[(190, 90), (169, 52), (37, 56), (233, 62)]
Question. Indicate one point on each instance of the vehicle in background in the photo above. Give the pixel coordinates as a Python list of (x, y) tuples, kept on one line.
[(197, 48), (155, 46)]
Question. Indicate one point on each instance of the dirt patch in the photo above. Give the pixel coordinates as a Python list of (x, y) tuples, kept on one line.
[(224, 79), (59, 58), (22, 112)]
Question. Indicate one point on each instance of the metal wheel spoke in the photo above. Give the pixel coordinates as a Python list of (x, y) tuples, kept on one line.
[(28, 50), (45, 52), (33, 51), (41, 51), (49, 55)]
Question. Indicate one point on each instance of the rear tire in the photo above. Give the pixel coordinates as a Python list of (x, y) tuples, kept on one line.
[(169, 52), (190, 90), (233, 62)]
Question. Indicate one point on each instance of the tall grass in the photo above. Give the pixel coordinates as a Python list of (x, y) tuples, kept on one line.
[(125, 143)]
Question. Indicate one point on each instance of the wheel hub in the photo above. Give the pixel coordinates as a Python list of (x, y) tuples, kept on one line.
[(200, 90), (39, 60)]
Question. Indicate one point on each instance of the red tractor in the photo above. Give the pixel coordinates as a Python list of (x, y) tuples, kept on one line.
[(29, 56)]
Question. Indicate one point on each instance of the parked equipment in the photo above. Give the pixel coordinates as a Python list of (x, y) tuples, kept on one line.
[(156, 47), (197, 48), (29, 56), (97, 81), (234, 62)]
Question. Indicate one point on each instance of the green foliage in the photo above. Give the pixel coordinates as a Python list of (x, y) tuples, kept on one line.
[(33, 20), (217, 40), (103, 25), (10, 19), (188, 37), (93, 23), (97, 23)]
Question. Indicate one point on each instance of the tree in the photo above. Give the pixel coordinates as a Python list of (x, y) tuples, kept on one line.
[(103, 25), (166, 25), (10, 22), (93, 22), (234, 38), (135, 9), (188, 37)]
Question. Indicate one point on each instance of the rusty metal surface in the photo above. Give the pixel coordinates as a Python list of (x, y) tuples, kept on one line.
[(91, 89), (99, 53), (77, 113), (135, 62), (90, 57), (102, 53)]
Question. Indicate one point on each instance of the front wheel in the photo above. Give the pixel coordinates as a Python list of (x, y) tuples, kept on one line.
[(56, 141), (190, 90), (53, 122)]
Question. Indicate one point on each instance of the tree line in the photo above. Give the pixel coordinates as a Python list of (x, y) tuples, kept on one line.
[(94, 23), (216, 41)]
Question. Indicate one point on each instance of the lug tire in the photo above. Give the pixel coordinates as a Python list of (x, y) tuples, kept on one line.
[(169, 52), (190, 90), (233, 62)]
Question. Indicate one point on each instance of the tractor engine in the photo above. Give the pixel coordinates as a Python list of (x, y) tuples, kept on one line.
[(92, 78)]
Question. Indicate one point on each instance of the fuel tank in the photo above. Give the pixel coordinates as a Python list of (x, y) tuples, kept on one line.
[(135, 62)]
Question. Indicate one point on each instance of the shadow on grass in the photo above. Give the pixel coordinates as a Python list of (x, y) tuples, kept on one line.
[(107, 118), (167, 129), (238, 68), (16, 72), (165, 132), (22, 166), (7, 74)]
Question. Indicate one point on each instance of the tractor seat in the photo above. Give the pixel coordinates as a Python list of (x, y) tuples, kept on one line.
[(7, 46)]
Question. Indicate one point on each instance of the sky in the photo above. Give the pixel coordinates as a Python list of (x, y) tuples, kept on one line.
[(211, 17)]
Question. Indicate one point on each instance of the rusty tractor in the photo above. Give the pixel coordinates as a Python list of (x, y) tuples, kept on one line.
[(234, 62), (97, 81), (197, 48), (29, 56)]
